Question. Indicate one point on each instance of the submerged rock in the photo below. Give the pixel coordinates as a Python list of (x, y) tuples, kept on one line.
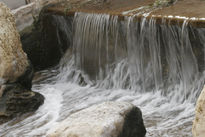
[(16, 72), (109, 119), (198, 128)]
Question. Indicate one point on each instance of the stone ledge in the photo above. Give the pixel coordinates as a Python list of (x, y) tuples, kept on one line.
[(190, 10)]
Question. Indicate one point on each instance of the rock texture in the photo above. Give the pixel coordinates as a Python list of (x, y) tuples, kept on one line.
[(172, 12), (24, 14), (16, 73), (13, 61), (47, 40), (18, 100), (109, 119), (198, 129)]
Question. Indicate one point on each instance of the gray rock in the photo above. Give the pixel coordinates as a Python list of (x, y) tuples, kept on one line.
[(109, 119)]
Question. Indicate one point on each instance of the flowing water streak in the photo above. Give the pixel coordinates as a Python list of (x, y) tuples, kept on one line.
[(93, 36), (161, 58), (156, 57)]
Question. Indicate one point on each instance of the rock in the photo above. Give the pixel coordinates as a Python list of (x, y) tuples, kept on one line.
[(24, 13), (16, 72), (109, 119), (13, 60), (17, 100), (198, 128), (46, 41)]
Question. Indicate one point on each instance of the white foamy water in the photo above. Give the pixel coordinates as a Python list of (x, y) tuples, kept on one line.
[(154, 67), (162, 116)]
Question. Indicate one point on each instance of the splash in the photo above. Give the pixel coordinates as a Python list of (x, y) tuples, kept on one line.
[(152, 57)]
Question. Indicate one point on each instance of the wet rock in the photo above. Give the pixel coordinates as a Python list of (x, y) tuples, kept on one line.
[(16, 72), (17, 100), (26, 78), (109, 119), (46, 41), (198, 128)]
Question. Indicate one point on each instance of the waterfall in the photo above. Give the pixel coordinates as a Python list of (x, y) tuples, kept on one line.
[(139, 55), (158, 67), (92, 42)]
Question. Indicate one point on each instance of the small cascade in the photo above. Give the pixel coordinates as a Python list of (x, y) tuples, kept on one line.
[(64, 36), (95, 42), (156, 66), (139, 55), (162, 58)]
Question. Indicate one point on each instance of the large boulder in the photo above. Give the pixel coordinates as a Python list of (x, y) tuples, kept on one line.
[(13, 60), (46, 41), (16, 73), (198, 128), (109, 119)]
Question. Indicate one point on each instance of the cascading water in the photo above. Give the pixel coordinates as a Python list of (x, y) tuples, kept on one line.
[(157, 57), (154, 66)]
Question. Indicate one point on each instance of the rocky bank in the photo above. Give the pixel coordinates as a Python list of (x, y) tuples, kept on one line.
[(16, 72)]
